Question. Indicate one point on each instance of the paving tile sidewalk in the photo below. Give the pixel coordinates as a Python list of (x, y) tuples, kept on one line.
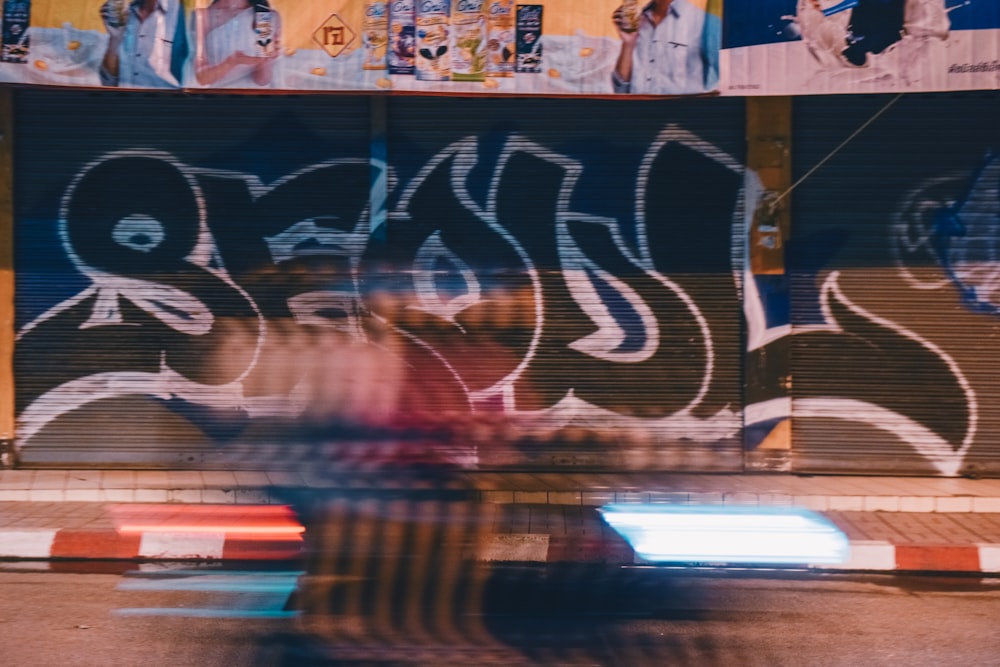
[(893, 523), (821, 493), (880, 541)]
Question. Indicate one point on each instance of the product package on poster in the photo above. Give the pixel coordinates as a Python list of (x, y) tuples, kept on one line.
[(402, 37), (468, 41), (500, 34), (15, 35), (801, 47), (562, 47), (529, 39), (434, 36), (375, 34)]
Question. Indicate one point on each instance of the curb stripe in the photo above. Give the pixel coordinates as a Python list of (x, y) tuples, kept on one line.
[(989, 558), (511, 547), (83, 543), (27, 543), (866, 555), (244, 547), (944, 558), (181, 545)]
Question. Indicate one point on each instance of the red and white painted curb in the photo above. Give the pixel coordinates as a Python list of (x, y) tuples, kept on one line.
[(168, 532), (174, 532), (877, 556), (165, 545), (154, 545)]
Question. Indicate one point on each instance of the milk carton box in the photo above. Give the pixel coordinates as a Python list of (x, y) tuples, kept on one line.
[(375, 34), (433, 27), (402, 37), (468, 41), (529, 38), (263, 28), (630, 13), (114, 13), (500, 43), (16, 21)]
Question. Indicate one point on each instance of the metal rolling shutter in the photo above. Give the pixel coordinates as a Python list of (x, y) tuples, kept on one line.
[(894, 264), (531, 204), (85, 378), (634, 405)]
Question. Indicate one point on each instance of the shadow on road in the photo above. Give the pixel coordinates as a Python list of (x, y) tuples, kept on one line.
[(392, 578)]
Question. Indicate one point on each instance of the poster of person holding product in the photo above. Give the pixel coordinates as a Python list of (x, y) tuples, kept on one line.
[(147, 43), (793, 47), (94, 43), (669, 47), (294, 45), (236, 43)]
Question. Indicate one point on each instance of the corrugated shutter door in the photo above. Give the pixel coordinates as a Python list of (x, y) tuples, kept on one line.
[(894, 264), (127, 207), (570, 261), (598, 237)]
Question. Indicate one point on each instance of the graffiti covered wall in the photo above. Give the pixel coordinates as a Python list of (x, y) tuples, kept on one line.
[(497, 283), (530, 282), (892, 261)]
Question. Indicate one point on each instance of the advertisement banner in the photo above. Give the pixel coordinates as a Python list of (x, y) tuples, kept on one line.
[(550, 47), (801, 47), (88, 43)]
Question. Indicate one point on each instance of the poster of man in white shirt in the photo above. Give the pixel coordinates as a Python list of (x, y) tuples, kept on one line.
[(147, 43), (668, 47)]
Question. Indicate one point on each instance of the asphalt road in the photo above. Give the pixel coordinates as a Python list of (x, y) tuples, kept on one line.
[(528, 615)]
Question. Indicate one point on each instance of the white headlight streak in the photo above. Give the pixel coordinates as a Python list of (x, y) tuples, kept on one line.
[(727, 534)]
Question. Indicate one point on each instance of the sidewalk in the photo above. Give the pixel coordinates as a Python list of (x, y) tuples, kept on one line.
[(893, 523), (820, 493)]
